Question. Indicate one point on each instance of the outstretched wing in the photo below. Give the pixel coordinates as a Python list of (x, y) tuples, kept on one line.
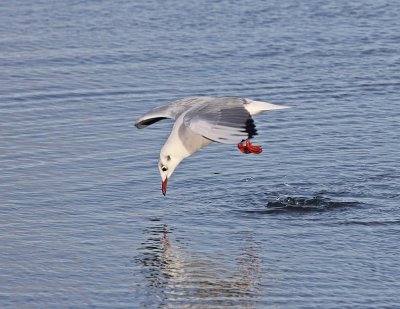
[(155, 115), (223, 120), (169, 111)]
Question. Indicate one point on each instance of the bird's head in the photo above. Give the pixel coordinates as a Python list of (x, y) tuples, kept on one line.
[(166, 165)]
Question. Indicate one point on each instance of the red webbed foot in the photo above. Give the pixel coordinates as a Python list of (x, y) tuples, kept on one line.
[(249, 148)]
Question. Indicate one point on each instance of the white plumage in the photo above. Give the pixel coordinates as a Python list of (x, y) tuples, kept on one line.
[(202, 120)]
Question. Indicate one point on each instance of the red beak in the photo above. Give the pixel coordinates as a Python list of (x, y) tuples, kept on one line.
[(164, 186)]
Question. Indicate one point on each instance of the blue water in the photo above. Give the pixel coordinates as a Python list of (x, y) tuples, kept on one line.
[(312, 222)]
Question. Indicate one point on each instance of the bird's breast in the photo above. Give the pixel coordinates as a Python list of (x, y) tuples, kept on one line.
[(192, 141)]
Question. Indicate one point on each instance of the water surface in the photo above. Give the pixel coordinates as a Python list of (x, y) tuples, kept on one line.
[(312, 222)]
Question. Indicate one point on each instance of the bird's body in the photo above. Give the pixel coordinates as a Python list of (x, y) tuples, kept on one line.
[(200, 121)]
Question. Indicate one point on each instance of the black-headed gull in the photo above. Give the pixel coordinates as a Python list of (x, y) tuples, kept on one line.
[(200, 121)]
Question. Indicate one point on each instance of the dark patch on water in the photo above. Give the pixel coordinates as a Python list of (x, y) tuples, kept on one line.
[(306, 204), (302, 204)]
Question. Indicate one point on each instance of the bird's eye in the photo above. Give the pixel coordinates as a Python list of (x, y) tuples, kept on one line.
[(164, 168)]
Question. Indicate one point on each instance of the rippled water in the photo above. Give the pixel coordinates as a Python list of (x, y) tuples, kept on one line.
[(312, 222)]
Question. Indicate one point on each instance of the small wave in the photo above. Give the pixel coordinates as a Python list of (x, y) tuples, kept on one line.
[(371, 223)]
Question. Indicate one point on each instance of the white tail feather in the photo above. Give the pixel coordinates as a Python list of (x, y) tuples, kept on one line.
[(255, 107)]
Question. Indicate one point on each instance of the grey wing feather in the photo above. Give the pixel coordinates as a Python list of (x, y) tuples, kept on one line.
[(169, 111), (157, 114), (224, 120)]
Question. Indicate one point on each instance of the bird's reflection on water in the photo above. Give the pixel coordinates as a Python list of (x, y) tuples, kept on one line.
[(175, 277)]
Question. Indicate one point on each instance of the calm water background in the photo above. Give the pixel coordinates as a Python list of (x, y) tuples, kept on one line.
[(312, 222)]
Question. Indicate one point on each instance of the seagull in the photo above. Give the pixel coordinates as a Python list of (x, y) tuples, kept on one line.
[(199, 121)]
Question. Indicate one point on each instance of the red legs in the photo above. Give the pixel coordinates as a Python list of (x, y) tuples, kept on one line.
[(243, 148), (249, 148)]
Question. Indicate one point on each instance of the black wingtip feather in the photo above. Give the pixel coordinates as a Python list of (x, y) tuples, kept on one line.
[(250, 128), (147, 122)]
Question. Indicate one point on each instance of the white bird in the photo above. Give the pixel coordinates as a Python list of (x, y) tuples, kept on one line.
[(200, 121)]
